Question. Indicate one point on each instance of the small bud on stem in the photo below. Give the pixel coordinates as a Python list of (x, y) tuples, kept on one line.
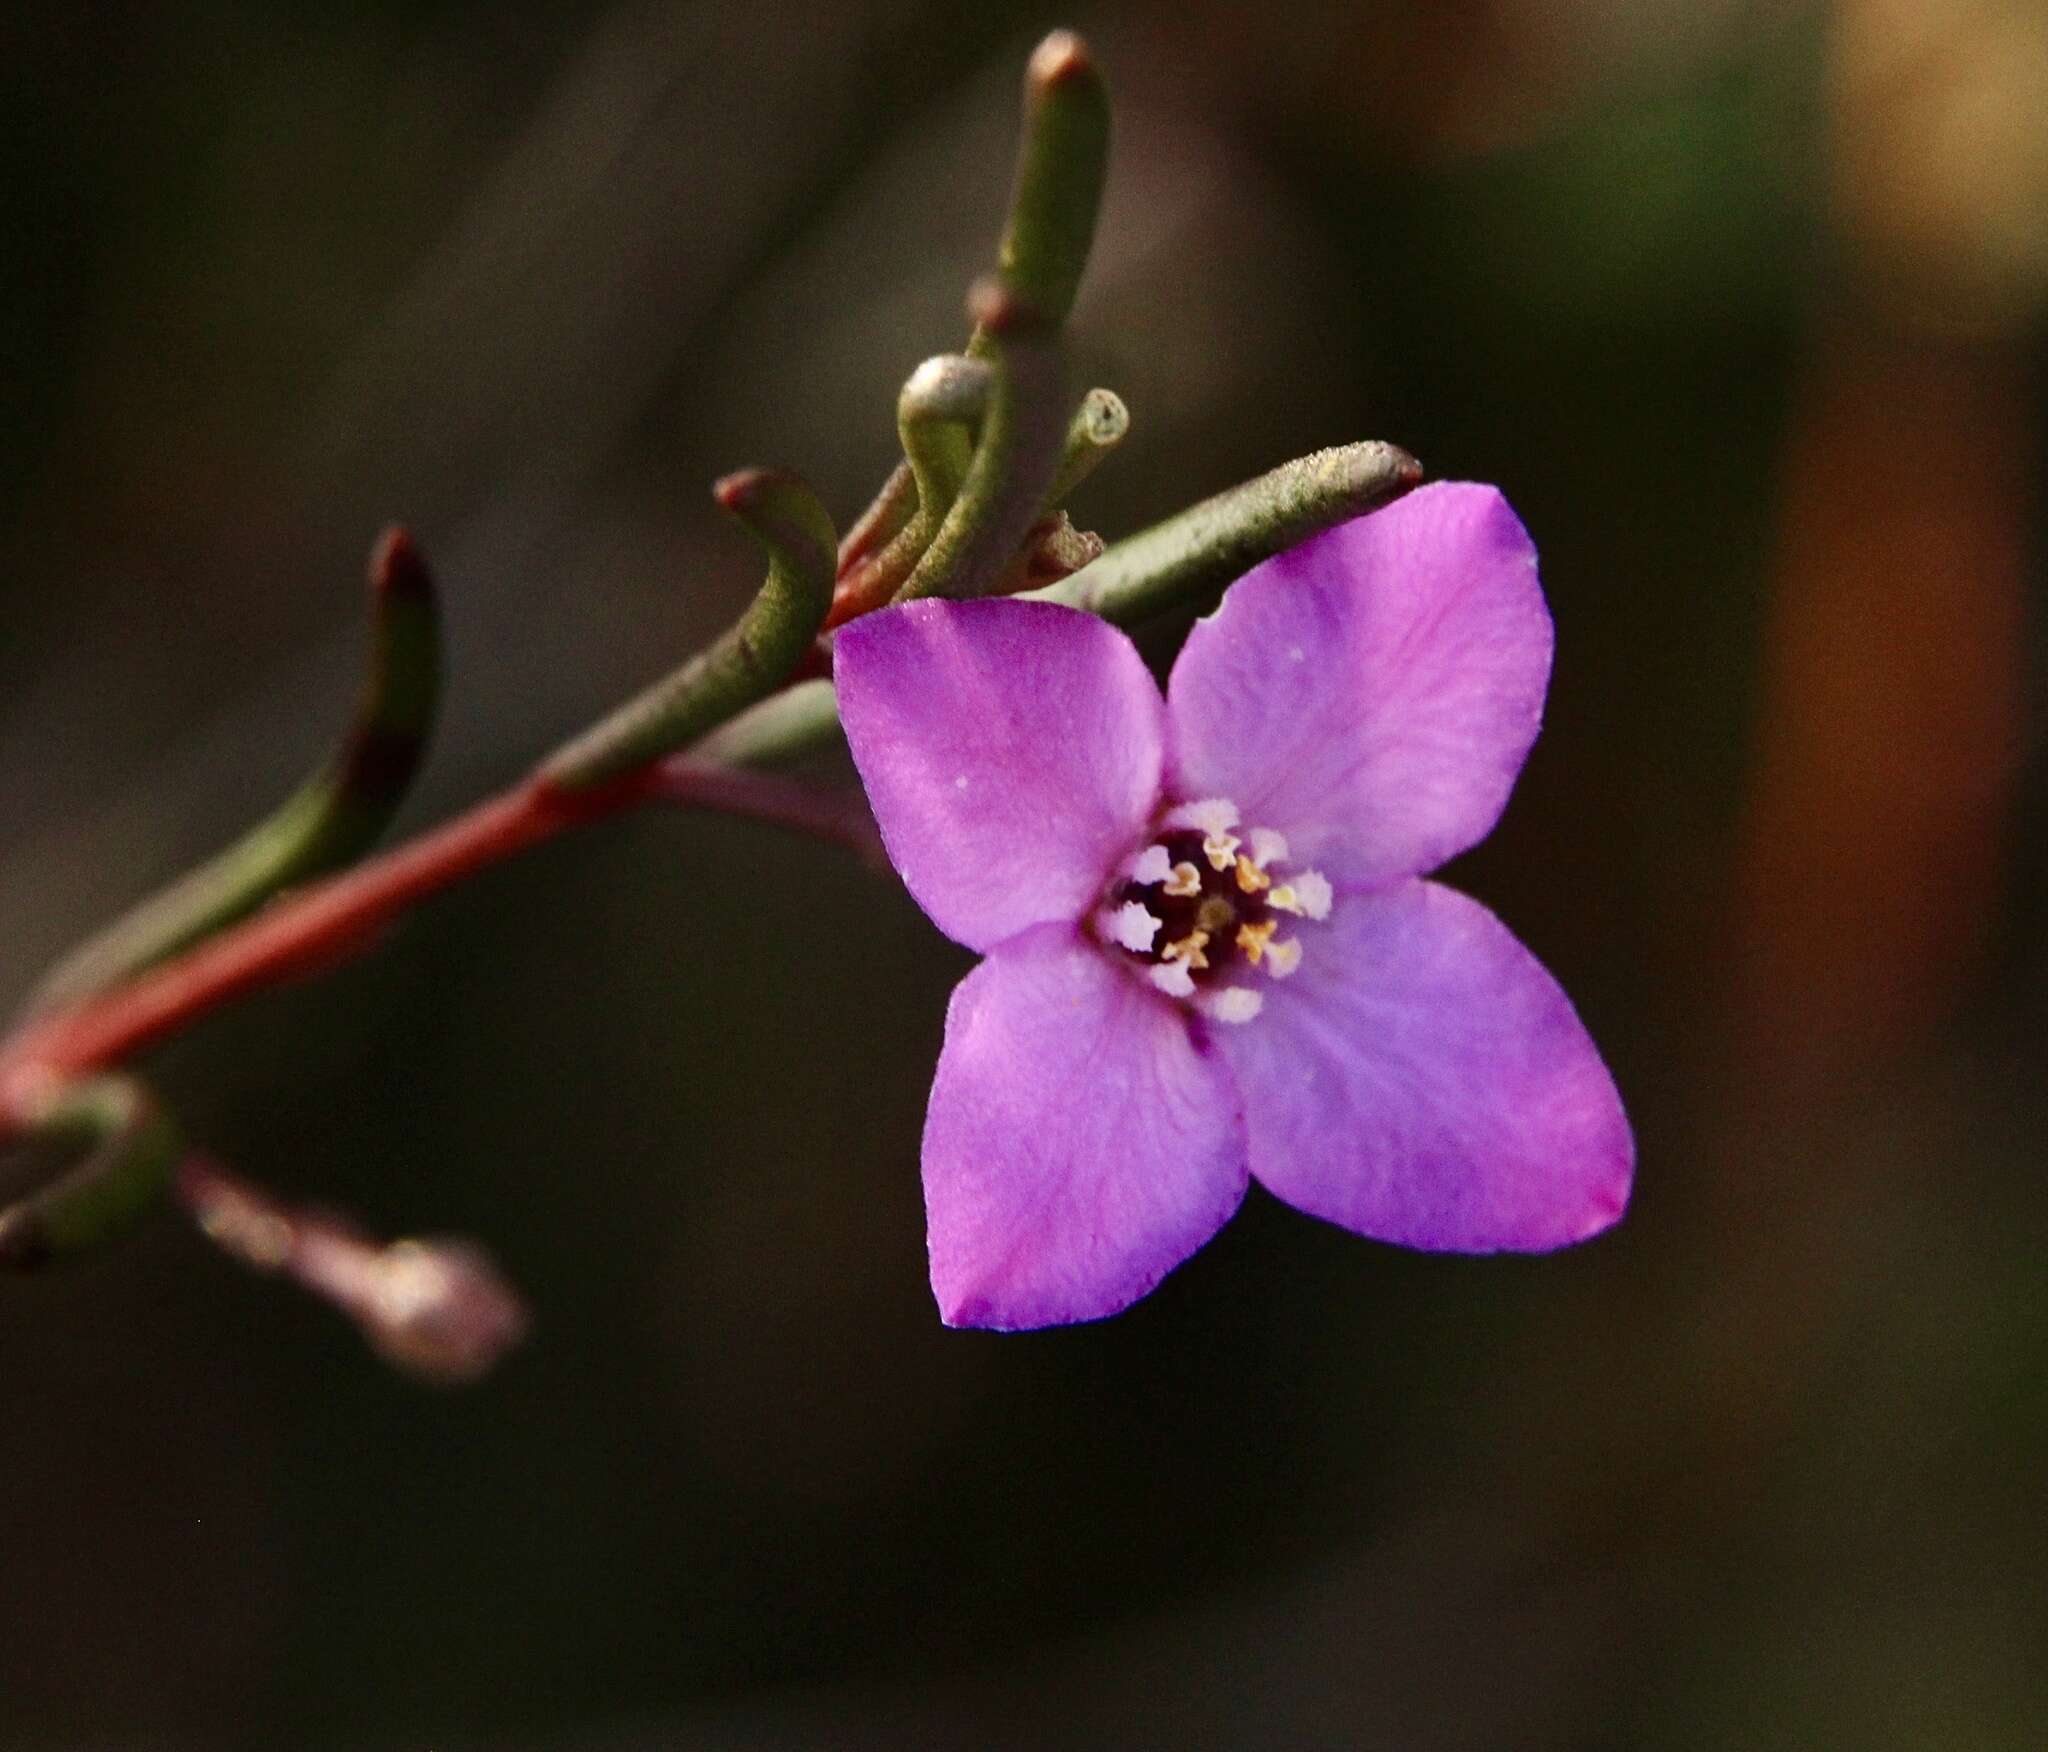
[(438, 1310)]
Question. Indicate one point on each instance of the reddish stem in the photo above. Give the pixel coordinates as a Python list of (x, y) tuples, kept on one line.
[(298, 934), (841, 818)]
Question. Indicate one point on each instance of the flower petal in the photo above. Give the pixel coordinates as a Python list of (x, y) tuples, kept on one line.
[(1078, 1146), (1422, 1079), (1011, 752), (1373, 692)]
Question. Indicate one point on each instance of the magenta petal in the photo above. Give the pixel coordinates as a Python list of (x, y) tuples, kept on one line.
[(1011, 752), (1373, 692), (1422, 1079), (1078, 1147)]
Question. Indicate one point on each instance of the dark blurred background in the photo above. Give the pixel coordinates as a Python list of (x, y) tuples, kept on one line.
[(1741, 303)]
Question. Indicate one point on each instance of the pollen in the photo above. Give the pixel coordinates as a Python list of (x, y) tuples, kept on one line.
[(1200, 909), (1253, 939), (1307, 896)]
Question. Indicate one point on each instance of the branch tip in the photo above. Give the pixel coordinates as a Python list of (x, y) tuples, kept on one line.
[(1063, 57), (396, 568)]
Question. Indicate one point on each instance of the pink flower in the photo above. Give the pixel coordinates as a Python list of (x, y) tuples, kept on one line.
[(1210, 952)]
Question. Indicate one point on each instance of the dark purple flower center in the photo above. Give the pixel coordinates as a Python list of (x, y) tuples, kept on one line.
[(1202, 906), (1199, 909)]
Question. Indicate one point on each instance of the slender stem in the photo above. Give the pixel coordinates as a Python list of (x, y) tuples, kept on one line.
[(938, 415), (756, 655), (881, 520), (439, 1310), (305, 931), (1099, 425), (324, 826), (1198, 552), (942, 405), (127, 1145), (839, 817), (1016, 459), (1176, 562), (1061, 166), (318, 927)]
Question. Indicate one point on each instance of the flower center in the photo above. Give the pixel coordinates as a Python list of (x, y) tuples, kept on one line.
[(1206, 911)]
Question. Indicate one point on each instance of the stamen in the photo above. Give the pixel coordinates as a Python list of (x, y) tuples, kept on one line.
[(1213, 815), (1153, 865), (1172, 979), (1316, 894), (1268, 847), (1187, 915), (1235, 1004), (1131, 926), (1308, 896)]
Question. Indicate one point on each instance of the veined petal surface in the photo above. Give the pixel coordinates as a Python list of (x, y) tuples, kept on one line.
[(1011, 753), (1373, 692), (1422, 1079), (1079, 1144)]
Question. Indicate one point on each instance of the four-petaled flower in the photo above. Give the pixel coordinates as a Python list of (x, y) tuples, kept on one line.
[(1210, 951)]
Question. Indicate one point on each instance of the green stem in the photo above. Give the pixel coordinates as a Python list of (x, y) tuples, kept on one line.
[(1194, 555), (1099, 425), (334, 818), (784, 727), (1159, 569), (1013, 467), (1061, 167), (876, 525), (129, 1146), (755, 655), (941, 407)]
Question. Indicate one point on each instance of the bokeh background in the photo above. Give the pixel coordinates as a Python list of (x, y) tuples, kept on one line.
[(1741, 303)]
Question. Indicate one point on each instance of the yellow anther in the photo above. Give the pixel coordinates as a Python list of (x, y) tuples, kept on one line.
[(1252, 939), (1283, 958), (1284, 899), (1183, 880), (1188, 951), (1221, 849), (1250, 877)]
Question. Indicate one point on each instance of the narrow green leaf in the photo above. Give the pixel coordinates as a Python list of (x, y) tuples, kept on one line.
[(754, 656), (332, 819), (1062, 164), (1194, 555), (123, 1148), (1014, 463)]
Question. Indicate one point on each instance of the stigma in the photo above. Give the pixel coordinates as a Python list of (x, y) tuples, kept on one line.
[(1201, 909)]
